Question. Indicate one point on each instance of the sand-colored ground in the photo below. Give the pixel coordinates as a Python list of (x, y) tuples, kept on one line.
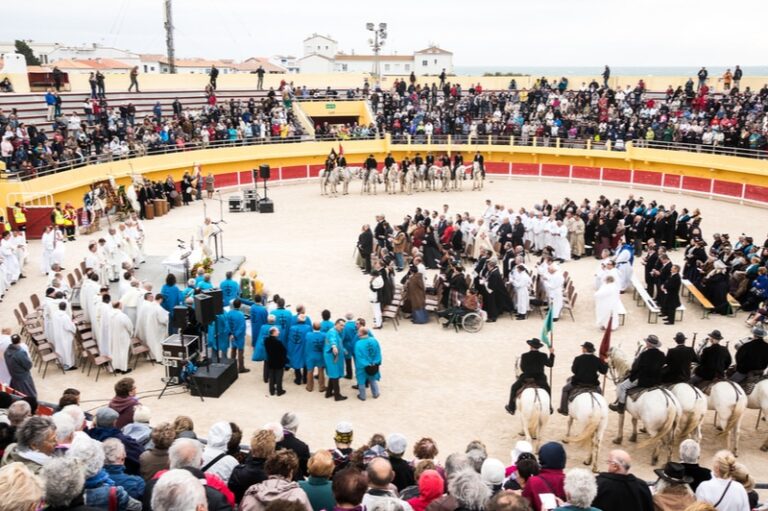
[(436, 383)]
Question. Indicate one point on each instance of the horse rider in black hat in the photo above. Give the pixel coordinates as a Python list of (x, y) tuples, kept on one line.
[(679, 360), (645, 372), (532, 366), (585, 369), (752, 356), (714, 360)]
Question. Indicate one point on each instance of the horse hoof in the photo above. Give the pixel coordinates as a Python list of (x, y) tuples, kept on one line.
[(521, 434), (617, 441), (764, 448), (643, 430), (565, 441), (633, 438), (587, 462), (719, 428), (654, 461)]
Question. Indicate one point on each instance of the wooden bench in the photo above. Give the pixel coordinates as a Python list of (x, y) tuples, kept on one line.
[(733, 305), (643, 298), (693, 292)]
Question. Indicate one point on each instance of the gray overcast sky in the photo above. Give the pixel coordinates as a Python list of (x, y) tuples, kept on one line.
[(478, 32)]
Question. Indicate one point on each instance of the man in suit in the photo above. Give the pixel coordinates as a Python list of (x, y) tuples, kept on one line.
[(714, 360), (651, 258), (752, 356), (679, 359), (585, 369), (532, 366), (670, 293), (645, 373), (365, 246), (660, 275), (481, 161)]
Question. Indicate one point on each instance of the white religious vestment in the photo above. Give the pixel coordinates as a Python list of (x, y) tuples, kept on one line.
[(130, 300), (624, 267), (88, 291), (562, 245), (103, 316), (553, 284), (521, 282), (121, 328), (48, 240), (64, 330), (607, 300), (155, 328), (11, 265), (57, 257)]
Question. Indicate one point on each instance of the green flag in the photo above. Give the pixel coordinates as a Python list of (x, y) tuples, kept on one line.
[(546, 329)]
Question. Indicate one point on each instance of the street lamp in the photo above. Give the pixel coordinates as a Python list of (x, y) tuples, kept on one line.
[(379, 36)]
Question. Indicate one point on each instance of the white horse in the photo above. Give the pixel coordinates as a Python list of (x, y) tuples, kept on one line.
[(433, 174), (657, 408), (345, 175), (420, 178), (329, 180), (590, 410), (533, 405), (693, 404), (370, 180), (390, 179), (758, 400), (445, 178), (458, 177), (407, 178), (477, 177), (729, 401)]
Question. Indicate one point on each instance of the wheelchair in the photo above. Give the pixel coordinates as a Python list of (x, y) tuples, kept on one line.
[(460, 318)]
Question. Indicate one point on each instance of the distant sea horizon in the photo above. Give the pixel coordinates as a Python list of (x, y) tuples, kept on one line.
[(554, 71)]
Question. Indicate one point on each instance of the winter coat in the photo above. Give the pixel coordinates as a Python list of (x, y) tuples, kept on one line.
[(260, 495)]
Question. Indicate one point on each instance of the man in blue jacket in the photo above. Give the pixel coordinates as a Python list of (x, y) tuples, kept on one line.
[(334, 360), (313, 357), (367, 362), (283, 320), (229, 289), (349, 336), (236, 323), (258, 318), (218, 336), (296, 340)]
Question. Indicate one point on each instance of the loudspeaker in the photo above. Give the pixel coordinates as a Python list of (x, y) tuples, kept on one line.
[(204, 309), (264, 171), (180, 319), (214, 379), (218, 299), (266, 206)]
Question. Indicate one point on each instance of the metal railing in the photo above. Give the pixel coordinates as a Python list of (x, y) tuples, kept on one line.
[(503, 140), (760, 154)]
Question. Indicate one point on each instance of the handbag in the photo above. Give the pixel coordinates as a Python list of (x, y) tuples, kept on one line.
[(372, 369)]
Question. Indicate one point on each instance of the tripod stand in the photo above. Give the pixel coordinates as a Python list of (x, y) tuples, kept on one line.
[(190, 379)]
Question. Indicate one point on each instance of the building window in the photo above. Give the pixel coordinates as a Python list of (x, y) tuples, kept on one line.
[(386, 67), (145, 68), (424, 63), (326, 47), (407, 67), (343, 67), (435, 61)]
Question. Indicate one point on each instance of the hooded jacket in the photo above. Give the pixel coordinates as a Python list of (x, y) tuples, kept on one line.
[(430, 488), (622, 491), (551, 479), (260, 495), (218, 437), (132, 449), (124, 406)]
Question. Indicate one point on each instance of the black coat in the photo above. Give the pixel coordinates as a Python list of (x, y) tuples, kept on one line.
[(365, 243), (678, 364), (698, 473), (403, 473), (646, 369), (276, 354), (752, 356), (532, 364), (245, 475), (715, 359), (672, 292), (585, 369), (302, 452), (622, 492)]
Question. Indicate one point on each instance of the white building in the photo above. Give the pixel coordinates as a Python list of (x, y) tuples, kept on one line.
[(49, 53), (432, 61), (287, 62), (316, 63), (388, 64), (320, 45)]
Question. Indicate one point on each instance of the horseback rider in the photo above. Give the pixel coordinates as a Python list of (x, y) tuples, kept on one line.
[(458, 160), (679, 359), (752, 356), (480, 161), (418, 161), (330, 164), (585, 371), (404, 166), (342, 161), (645, 373), (370, 165), (430, 159), (532, 366), (714, 360), (389, 161)]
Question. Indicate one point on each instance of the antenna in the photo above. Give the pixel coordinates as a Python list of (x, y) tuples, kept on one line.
[(168, 19)]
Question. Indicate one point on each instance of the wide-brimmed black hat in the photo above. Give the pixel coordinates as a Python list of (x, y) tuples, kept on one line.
[(680, 337), (589, 347), (715, 334), (674, 473), (534, 343), (653, 341)]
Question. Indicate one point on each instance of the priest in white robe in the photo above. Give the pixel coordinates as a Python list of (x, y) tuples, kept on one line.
[(57, 257), (625, 257), (156, 327), (20, 245), (607, 303), (88, 292), (11, 264), (561, 244), (120, 332), (64, 331), (101, 324), (48, 241), (538, 231), (521, 282), (553, 285), (130, 300), (482, 240), (142, 311)]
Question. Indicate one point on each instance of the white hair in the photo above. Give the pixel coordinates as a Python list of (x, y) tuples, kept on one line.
[(290, 421), (580, 487), (275, 428), (64, 480), (65, 426), (469, 489), (114, 451), (178, 490), (77, 415), (185, 452), (89, 452), (456, 462), (689, 451)]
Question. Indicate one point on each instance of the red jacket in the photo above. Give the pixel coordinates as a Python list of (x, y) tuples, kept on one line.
[(549, 480), (430, 488), (214, 482)]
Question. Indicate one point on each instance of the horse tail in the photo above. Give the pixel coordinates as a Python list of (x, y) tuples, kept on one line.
[(736, 412), (669, 424), (590, 428), (535, 417), (687, 425)]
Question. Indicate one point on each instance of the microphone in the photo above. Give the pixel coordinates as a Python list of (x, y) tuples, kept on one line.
[(180, 241)]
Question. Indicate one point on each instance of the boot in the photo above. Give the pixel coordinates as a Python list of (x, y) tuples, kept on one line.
[(617, 407), (337, 391), (241, 361), (329, 389), (311, 382), (510, 409)]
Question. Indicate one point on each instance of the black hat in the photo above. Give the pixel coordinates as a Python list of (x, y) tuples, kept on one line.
[(715, 334), (589, 347), (534, 343), (674, 473), (680, 337), (653, 341)]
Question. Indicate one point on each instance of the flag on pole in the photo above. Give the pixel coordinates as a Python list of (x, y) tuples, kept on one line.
[(341, 150), (546, 329), (605, 345)]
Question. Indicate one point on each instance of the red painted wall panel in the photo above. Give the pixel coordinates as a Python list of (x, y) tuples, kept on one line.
[(671, 181), (644, 177), (229, 179), (496, 168), (757, 193), (246, 177), (295, 172), (314, 170), (555, 170), (727, 188), (698, 184), (585, 172), (621, 175), (525, 169)]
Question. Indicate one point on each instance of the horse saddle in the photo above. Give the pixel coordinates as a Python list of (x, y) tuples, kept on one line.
[(636, 392), (582, 389), (528, 383), (706, 385), (752, 379)]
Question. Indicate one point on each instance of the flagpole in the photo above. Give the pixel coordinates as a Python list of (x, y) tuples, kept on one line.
[(551, 345)]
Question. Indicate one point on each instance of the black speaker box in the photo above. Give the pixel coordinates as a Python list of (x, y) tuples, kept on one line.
[(214, 379), (204, 309), (180, 319), (218, 299), (266, 206), (264, 171)]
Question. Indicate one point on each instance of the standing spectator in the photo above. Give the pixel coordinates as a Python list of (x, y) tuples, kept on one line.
[(276, 360), (737, 74), (689, 459), (114, 465), (290, 423), (20, 488), (260, 82), (318, 485), (209, 185), (606, 76), (92, 84), (214, 73), (57, 74), (367, 363), (100, 85), (723, 491), (617, 489), (50, 103), (702, 74), (134, 79), (19, 364)]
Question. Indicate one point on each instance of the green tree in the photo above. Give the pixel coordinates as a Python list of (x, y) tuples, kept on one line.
[(23, 48)]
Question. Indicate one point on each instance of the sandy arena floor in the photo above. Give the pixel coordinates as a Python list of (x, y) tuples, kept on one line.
[(436, 383)]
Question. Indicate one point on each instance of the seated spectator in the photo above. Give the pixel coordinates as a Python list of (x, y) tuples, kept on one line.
[(550, 479), (431, 485), (469, 490), (349, 487), (215, 458), (318, 485), (104, 427), (64, 480), (689, 459), (124, 402), (6, 400), (65, 431), (114, 464), (156, 457), (139, 429), (380, 476), (580, 490), (672, 490), (18, 412), (492, 473), (99, 488), (618, 489), (184, 427), (396, 445), (741, 475), (520, 447), (280, 468), (343, 441), (178, 489), (20, 489), (233, 446), (252, 471), (35, 444), (421, 467), (723, 491), (507, 501), (290, 423)]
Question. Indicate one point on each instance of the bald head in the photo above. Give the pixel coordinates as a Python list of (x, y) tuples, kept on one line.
[(379, 473), (619, 462)]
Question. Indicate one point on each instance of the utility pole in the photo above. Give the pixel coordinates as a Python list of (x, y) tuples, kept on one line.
[(169, 37)]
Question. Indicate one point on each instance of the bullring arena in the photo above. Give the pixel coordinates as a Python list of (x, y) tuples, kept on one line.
[(435, 382)]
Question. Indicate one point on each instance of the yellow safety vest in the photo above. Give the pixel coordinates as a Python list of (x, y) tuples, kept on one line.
[(7, 227), (18, 216), (58, 217)]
